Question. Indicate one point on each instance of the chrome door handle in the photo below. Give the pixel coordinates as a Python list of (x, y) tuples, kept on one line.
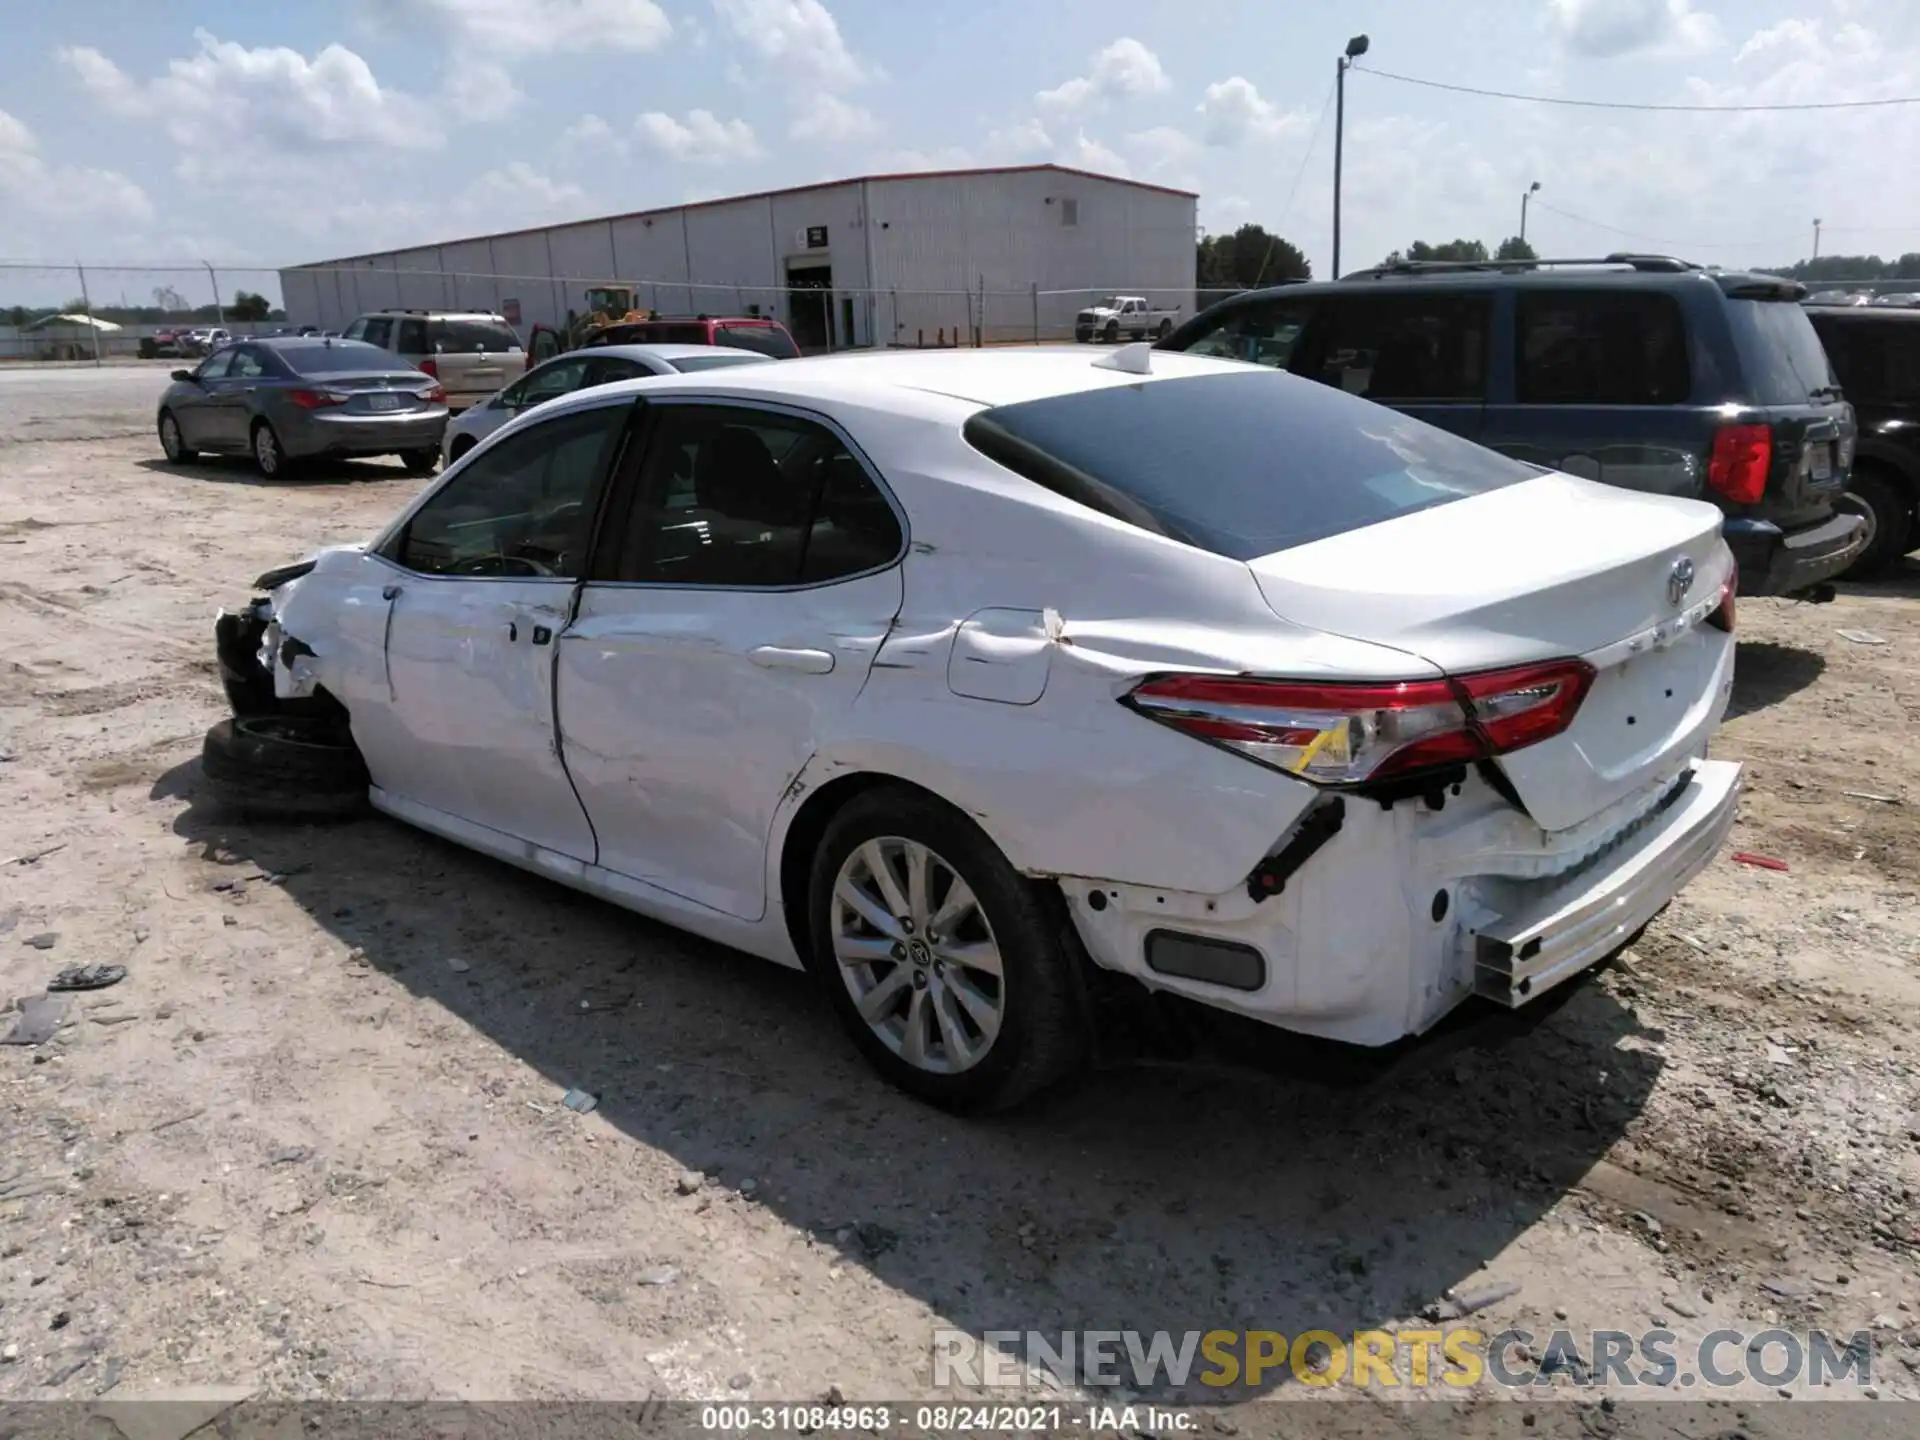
[(778, 657)]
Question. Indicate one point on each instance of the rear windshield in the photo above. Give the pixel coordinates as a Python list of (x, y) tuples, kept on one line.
[(666, 333), (1780, 351), (471, 337), (767, 339), (715, 362), (1242, 463), (338, 358)]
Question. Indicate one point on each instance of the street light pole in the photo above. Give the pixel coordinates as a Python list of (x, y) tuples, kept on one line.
[(1356, 47), (1816, 239), (1526, 195)]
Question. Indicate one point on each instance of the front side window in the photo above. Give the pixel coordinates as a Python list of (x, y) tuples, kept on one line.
[(1408, 348), (743, 498), (356, 331), (1266, 332), (248, 364), (1599, 348), (379, 331), (214, 367), (522, 509)]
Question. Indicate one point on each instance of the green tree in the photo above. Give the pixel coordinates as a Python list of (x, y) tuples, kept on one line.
[(249, 306), (1249, 257), (1514, 248), (18, 316)]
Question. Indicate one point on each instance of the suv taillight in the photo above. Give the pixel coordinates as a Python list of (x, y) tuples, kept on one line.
[(1341, 734), (430, 366), (1742, 455)]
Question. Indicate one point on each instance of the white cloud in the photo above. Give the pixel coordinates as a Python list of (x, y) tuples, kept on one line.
[(1027, 140), (481, 90), (535, 27), (1606, 28), (799, 39), (1123, 70), (701, 138), (1232, 112), (229, 107), (33, 190), (1085, 153), (1168, 154), (825, 117), (589, 132), (517, 193)]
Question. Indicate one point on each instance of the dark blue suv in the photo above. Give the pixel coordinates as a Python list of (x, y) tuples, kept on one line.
[(1636, 370)]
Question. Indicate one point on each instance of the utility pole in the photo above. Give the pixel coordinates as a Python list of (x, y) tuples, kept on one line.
[(1816, 239), (1356, 47), (1525, 196)]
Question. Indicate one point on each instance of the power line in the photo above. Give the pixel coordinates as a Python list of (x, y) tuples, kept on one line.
[(1540, 204), (1630, 105)]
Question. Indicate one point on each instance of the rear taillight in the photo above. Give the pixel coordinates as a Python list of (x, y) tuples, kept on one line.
[(1339, 734), (1722, 616), (434, 395), (1737, 469), (431, 367), (317, 399)]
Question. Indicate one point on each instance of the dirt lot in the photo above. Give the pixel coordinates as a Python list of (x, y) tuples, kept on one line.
[(300, 1151)]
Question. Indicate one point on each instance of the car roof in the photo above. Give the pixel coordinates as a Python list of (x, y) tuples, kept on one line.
[(1547, 275), (935, 385), (667, 353), (1907, 313), (274, 341), (441, 314)]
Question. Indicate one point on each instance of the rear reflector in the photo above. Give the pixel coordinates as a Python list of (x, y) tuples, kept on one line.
[(1742, 456), (1203, 958), (1343, 734)]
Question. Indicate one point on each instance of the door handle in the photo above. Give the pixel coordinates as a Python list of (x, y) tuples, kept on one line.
[(541, 635), (778, 657), (389, 592)]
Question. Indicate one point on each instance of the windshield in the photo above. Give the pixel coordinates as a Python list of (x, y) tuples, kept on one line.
[(716, 362), (1781, 352), (1242, 463), (341, 357), (768, 340)]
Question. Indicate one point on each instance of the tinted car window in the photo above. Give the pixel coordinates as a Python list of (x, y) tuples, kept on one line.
[(1785, 363), (339, 357), (522, 508), (247, 364), (1265, 332), (745, 498), (1901, 349), (694, 333), (1242, 463), (413, 337), (214, 367), (379, 330), (471, 337), (1594, 348), (763, 338), (616, 367), (1407, 347), (559, 377)]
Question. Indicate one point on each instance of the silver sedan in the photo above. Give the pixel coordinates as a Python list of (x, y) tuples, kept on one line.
[(286, 398), (581, 370)]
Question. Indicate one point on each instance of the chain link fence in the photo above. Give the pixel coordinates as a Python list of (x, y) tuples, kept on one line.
[(98, 313)]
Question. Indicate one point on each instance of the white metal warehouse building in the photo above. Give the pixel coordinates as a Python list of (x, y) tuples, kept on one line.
[(913, 259)]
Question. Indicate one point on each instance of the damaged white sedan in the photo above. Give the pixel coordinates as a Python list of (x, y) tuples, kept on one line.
[(967, 680)]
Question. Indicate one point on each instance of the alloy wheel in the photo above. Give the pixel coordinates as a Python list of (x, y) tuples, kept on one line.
[(918, 955), (170, 437), (266, 450)]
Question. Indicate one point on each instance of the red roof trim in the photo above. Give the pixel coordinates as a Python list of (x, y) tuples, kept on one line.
[(759, 195)]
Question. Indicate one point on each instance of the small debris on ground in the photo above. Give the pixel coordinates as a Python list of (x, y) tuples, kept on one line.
[(457, 965), (1474, 1297), (46, 940), (1862, 637), (39, 1017), (660, 1275), (1759, 862), (88, 977), (689, 1181), (579, 1100)]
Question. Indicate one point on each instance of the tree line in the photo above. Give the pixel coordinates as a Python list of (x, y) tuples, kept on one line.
[(168, 307)]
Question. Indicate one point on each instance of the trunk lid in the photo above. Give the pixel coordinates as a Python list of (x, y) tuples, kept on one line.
[(1554, 567)]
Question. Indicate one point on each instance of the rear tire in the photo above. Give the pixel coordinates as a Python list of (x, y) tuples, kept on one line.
[(1040, 1033), (1112, 333), (284, 767), (268, 457), (171, 444), (419, 462), (460, 447), (1166, 329), (1892, 507)]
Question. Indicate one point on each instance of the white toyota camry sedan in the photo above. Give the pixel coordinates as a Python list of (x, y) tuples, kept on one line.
[(960, 679)]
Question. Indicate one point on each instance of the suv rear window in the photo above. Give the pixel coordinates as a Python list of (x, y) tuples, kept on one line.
[(764, 339), (1780, 352), (1243, 463), (470, 337), (1599, 348)]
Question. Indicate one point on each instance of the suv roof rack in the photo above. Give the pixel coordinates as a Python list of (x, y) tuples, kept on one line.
[(1654, 264)]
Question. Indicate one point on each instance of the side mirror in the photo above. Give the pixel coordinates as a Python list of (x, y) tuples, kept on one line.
[(185, 377)]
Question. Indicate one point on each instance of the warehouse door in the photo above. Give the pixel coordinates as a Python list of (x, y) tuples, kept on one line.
[(808, 299)]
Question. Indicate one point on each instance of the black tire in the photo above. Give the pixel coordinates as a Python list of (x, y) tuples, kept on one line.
[(1112, 333), (268, 458), (419, 462), (176, 452), (460, 447), (284, 767), (1892, 507), (1166, 329), (1043, 1035)]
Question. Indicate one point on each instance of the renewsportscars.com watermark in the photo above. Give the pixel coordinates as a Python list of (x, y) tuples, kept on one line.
[(1450, 1357)]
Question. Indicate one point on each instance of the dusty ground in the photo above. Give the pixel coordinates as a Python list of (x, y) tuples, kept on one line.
[(300, 1152)]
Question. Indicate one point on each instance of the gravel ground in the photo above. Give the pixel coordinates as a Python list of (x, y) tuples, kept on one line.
[(301, 1152)]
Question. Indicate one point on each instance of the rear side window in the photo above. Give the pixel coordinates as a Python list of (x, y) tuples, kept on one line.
[(413, 338), (1874, 362), (1241, 463), (1263, 333), (1780, 353), (472, 337), (1407, 348), (762, 338), (1599, 348), (693, 333), (340, 357)]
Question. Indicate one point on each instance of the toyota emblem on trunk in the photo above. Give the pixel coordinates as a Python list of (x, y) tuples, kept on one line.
[(1679, 580)]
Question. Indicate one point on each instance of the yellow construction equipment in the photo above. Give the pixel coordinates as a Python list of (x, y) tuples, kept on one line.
[(608, 304)]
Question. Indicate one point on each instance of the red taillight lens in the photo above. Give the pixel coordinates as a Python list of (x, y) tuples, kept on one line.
[(1335, 734), (316, 399), (436, 395), (1722, 616), (430, 366), (1742, 456)]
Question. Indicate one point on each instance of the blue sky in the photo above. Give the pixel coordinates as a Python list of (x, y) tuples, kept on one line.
[(254, 135)]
